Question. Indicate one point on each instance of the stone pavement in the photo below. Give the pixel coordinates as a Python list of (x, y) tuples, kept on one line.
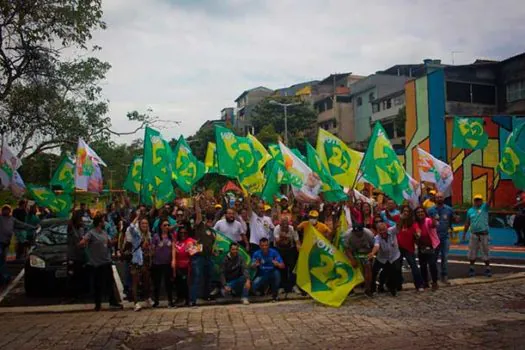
[(482, 316)]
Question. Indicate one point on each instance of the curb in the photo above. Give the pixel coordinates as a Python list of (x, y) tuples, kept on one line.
[(262, 302)]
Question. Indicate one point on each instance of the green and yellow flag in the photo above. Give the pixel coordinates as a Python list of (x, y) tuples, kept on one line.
[(187, 169), (221, 247), (64, 176), (469, 133), (341, 161), (382, 168), (342, 227), (134, 177), (332, 191), (61, 205), (156, 180), (323, 271), (276, 177), (235, 155), (210, 161), (513, 158), (261, 154)]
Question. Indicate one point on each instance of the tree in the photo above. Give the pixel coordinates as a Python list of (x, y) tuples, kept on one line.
[(199, 142), (267, 135), (300, 118)]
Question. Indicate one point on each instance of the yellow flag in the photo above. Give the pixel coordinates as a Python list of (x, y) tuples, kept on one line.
[(210, 160), (323, 271), (261, 154), (342, 161)]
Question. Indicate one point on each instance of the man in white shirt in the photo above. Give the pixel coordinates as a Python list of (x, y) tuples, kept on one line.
[(260, 225), (232, 228)]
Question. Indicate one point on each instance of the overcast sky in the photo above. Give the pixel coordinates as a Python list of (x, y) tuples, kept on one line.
[(188, 59)]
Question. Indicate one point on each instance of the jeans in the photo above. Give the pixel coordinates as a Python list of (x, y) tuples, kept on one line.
[(428, 261), (4, 275), (273, 278), (200, 277), (391, 273), (181, 285), (103, 284), (443, 249), (288, 278), (160, 272), (237, 286), (411, 260), (140, 274)]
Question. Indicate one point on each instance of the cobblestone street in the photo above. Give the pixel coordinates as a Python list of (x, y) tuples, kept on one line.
[(482, 316)]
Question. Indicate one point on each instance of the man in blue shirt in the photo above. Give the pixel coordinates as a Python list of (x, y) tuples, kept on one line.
[(444, 215), (268, 262), (478, 223)]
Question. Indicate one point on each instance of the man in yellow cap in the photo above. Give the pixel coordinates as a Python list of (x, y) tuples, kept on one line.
[(431, 200), (313, 219), (478, 223)]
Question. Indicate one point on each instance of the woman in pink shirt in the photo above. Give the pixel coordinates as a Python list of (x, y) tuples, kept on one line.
[(181, 263), (408, 232), (427, 243)]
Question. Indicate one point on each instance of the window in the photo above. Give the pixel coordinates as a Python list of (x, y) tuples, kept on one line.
[(376, 107), (458, 92), (334, 124), (371, 96), (389, 128), (389, 103), (484, 94), (399, 101), (516, 91), (359, 101)]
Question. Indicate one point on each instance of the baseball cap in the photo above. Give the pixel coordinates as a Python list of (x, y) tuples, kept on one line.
[(267, 207), (478, 196), (313, 214), (432, 192), (218, 206)]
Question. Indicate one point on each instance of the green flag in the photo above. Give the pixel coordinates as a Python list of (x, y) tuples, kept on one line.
[(156, 180), (134, 177), (64, 176), (60, 205), (221, 247), (469, 133), (187, 169), (210, 161), (513, 158), (382, 168), (332, 191), (276, 177), (235, 155)]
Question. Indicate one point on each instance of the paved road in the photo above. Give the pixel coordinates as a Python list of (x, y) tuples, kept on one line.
[(458, 268), (481, 316)]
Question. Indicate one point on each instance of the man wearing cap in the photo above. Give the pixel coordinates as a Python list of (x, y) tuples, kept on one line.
[(445, 216), (260, 224), (8, 224), (478, 223), (313, 219), (431, 200)]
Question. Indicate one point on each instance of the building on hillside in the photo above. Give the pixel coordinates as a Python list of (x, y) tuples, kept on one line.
[(386, 110), (246, 102), (228, 115), (488, 89), (211, 123), (365, 91)]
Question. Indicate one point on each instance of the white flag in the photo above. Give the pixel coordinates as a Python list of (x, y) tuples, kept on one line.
[(413, 194), (435, 171), (87, 170), (306, 184), (9, 163)]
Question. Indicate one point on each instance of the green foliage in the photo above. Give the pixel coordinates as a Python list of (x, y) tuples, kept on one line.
[(300, 118), (401, 120), (199, 142), (267, 135)]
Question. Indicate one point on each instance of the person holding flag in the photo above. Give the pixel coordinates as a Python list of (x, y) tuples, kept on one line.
[(478, 223), (321, 227)]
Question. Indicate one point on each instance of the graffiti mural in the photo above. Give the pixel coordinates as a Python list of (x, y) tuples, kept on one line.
[(427, 127)]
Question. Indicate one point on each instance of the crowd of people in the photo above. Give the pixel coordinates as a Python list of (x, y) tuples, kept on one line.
[(174, 245)]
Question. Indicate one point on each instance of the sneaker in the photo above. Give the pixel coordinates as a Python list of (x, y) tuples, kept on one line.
[(296, 290), (274, 300), (193, 304), (116, 306), (421, 289), (172, 305), (471, 272), (137, 307), (155, 304), (149, 302), (214, 292), (245, 301), (435, 286), (444, 279), (281, 291), (488, 272)]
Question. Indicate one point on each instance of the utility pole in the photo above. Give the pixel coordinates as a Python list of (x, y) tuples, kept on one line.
[(285, 107)]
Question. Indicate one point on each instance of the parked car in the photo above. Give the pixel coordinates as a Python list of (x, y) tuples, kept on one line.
[(46, 267)]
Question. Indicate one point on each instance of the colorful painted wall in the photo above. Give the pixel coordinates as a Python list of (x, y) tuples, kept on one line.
[(428, 127)]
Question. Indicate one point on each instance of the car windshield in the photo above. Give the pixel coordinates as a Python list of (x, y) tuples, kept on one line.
[(53, 235)]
